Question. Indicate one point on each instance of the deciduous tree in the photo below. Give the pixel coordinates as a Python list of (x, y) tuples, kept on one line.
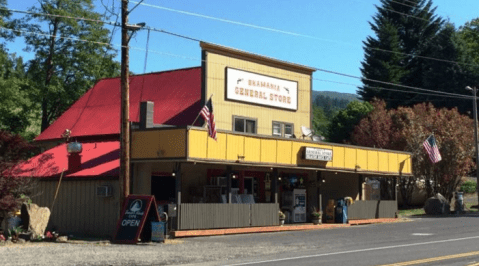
[(70, 54), (407, 128)]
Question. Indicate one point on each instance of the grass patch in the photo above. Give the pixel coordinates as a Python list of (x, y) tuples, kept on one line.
[(469, 209), (411, 212)]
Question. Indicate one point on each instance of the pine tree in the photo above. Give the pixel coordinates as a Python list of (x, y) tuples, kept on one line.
[(406, 32)]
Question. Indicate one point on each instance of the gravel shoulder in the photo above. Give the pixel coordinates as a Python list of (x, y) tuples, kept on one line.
[(172, 252)]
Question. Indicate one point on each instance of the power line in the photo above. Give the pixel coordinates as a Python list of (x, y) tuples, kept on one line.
[(302, 35), (111, 23), (437, 93), (388, 89), (115, 24)]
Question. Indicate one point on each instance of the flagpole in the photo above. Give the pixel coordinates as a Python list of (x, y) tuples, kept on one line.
[(200, 111)]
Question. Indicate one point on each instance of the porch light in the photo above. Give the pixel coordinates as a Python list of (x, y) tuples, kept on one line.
[(74, 147), (173, 174)]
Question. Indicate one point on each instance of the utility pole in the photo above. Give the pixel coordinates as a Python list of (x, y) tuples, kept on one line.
[(124, 181), (474, 91)]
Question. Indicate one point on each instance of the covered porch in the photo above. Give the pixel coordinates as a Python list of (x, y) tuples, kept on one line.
[(240, 180)]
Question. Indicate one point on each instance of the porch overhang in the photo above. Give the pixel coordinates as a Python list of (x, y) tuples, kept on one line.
[(192, 144)]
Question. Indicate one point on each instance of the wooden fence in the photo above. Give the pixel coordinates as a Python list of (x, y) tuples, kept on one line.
[(213, 215), (370, 209)]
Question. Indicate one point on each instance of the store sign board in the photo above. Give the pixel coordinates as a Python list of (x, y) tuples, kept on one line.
[(318, 154), (137, 210), (254, 88)]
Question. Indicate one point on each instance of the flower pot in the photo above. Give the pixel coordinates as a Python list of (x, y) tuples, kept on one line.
[(316, 220), (281, 221)]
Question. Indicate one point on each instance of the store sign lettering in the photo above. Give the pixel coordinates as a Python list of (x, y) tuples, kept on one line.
[(259, 89), (318, 154)]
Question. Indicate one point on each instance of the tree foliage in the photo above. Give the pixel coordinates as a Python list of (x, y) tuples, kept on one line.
[(407, 35), (70, 55), (13, 149), (343, 123), (406, 128)]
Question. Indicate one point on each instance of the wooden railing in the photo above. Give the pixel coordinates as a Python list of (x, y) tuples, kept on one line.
[(217, 215), (371, 209)]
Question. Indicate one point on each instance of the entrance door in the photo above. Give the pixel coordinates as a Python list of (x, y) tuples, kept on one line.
[(163, 188)]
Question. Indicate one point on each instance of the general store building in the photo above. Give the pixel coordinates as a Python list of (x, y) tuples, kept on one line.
[(261, 161)]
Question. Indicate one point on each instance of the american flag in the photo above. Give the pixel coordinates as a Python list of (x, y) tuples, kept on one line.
[(207, 114), (431, 148)]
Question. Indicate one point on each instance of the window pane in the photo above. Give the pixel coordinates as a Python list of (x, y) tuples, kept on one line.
[(288, 130), (250, 126), (277, 129), (239, 125)]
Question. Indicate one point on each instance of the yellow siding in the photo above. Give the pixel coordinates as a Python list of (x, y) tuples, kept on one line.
[(350, 158), (405, 162), (268, 148), (372, 160), (252, 149), (284, 152), (262, 150), (224, 110), (217, 149), (197, 143), (383, 160), (362, 159), (152, 144), (338, 157), (235, 147), (394, 163)]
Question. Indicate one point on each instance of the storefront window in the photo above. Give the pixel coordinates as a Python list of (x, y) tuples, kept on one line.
[(245, 125)]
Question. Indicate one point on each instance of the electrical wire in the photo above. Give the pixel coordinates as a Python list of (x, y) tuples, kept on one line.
[(304, 35), (115, 24), (318, 69)]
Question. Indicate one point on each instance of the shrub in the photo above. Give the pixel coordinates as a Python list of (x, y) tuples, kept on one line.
[(468, 187)]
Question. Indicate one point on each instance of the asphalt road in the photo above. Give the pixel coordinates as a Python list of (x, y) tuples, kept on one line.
[(435, 239)]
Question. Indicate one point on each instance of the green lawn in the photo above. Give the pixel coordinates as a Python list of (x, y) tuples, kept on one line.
[(410, 212), (420, 211)]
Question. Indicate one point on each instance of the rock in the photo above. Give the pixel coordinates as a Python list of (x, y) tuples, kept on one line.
[(21, 241), (35, 219), (437, 205), (62, 239)]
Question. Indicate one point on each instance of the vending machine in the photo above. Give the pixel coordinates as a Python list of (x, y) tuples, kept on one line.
[(295, 203)]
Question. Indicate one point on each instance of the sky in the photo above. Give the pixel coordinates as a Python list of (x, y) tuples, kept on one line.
[(324, 34)]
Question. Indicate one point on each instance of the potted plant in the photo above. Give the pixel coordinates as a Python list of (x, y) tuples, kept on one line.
[(316, 216), (281, 217)]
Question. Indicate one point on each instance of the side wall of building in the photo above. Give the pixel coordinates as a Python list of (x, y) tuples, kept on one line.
[(77, 209)]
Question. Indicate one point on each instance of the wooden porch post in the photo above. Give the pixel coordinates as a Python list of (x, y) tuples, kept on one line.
[(229, 173), (395, 188), (177, 172), (319, 180), (274, 186), (360, 186)]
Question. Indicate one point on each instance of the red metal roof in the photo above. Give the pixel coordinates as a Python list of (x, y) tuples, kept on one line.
[(98, 159), (176, 95)]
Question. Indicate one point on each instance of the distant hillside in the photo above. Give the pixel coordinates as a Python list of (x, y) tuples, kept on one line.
[(338, 95)]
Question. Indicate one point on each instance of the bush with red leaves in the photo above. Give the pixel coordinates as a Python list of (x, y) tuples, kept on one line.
[(13, 149)]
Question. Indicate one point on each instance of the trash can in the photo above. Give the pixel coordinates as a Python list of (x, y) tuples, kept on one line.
[(341, 212), (158, 231)]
